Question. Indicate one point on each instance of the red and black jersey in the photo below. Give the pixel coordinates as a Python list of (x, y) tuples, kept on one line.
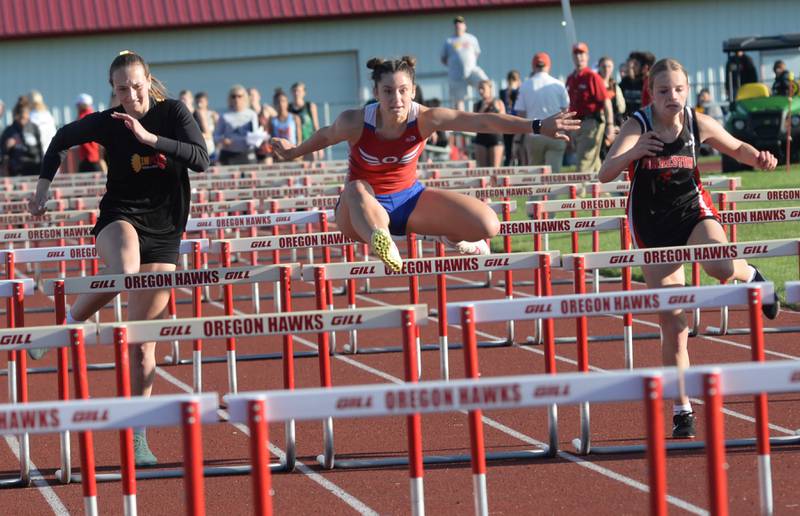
[(387, 165), (666, 199)]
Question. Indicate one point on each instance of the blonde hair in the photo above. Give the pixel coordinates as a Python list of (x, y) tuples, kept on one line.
[(666, 65), (128, 58)]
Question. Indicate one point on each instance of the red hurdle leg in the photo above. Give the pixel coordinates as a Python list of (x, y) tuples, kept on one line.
[(259, 457), (193, 459), (350, 256), (656, 448), (509, 274), (413, 294), (475, 416), (627, 319), (414, 421), (549, 352), (288, 364), (85, 439), (230, 342), (582, 338), (441, 306), (63, 379), (715, 446), (125, 435), (324, 350), (762, 417), (197, 311)]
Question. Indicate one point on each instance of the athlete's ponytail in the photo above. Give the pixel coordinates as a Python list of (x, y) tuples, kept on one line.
[(380, 67), (127, 58)]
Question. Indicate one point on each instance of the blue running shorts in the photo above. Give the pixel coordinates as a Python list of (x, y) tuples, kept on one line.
[(399, 206)]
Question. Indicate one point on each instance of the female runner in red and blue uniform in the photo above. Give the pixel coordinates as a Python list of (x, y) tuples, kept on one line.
[(382, 195), (667, 205)]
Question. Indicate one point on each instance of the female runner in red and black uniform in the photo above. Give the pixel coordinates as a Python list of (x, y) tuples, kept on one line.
[(151, 142), (382, 195), (667, 205)]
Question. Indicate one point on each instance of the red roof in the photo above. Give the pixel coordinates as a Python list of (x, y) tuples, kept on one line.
[(24, 19)]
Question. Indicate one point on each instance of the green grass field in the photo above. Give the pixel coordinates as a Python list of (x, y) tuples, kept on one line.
[(779, 270)]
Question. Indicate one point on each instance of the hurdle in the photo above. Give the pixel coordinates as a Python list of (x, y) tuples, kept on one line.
[(649, 301), (413, 269), (226, 277), (650, 386), (280, 324), (676, 255), (87, 416), (14, 291)]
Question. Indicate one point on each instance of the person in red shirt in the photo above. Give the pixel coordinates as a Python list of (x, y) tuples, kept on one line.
[(589, 100), (89, 152), (382, 195)]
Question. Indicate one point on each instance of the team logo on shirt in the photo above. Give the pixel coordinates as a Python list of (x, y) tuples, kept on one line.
[(369, 159), (139, 163)]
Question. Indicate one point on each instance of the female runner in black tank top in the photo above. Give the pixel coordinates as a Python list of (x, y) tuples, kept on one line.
[(667, 205), (151, 141)]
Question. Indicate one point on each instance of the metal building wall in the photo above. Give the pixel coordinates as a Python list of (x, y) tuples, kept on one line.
[(278, 55)]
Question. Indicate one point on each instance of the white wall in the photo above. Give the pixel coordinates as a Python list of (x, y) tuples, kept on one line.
[(278, 55)]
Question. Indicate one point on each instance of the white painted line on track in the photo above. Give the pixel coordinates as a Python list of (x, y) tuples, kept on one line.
[(38, 480)]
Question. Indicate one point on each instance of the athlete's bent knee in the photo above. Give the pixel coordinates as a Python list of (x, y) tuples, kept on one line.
[(722, 271), (356, 190)]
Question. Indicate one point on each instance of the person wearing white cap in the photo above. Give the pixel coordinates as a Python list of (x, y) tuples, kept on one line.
[(89, 152)]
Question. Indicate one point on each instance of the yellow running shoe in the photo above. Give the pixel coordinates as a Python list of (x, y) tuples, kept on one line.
[(384, 248)]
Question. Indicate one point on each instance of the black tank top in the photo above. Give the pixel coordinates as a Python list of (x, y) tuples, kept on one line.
[(666, 191)]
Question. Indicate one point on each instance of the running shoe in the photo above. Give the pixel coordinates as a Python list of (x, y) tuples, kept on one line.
[(479, 247), (384, 248), (683, 425), (770, 310), (141, 451), (37, 353)]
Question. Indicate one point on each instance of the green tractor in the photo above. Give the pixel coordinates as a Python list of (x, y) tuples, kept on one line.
[(756, 116)]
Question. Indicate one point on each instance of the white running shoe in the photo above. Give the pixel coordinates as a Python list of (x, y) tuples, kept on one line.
[(384, 248), (479, 247)]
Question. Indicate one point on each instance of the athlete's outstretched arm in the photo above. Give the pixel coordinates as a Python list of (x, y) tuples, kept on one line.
[(347, 126), (629, 145), (445, 119), (715, 135)]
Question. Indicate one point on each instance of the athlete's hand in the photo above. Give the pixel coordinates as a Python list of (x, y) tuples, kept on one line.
[(766, 161), (556, 125), (37, 204), (647, 145), (282, 148), (143, 135)]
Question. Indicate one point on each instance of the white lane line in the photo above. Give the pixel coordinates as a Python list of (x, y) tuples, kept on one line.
[(329, 486), (38, 480)]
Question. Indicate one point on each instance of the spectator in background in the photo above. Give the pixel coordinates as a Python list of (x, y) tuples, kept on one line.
[(488, 146), (509, 97), (605, 67), (88, 153), (2, 115), (307, 111), (589, 100), (738, 70), (782, 86), (632, 86), (284, 124), (233, 127), (187, 97), (645, 61), (541, 96), (207, 120), (264, 112), (42, 118), (460, 56), (21, 144)]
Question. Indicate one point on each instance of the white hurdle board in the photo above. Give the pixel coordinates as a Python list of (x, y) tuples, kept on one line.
[(42, 417)]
